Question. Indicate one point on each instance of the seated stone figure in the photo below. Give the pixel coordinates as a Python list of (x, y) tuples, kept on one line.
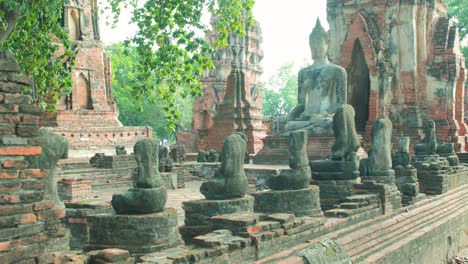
[(148, 195), (344, 163), (120, 150), (447, 150), (165, 160), (229, 181), (428, 144), (402, 157), (379, 162), (299, 176), (321, 90)]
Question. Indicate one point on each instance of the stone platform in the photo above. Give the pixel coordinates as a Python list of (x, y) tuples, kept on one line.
[(198, 213), (275, 150), (302, 202), (138, 234)]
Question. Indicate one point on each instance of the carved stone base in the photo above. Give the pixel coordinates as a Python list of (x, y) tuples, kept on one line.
[(302, 202), (333, 192), (198, 214), (139, 234)]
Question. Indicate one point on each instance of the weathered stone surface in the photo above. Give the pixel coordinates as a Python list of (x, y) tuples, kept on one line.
[(379, 162), (428, 144), (302, 202), (298, 177), (344, 129), (332, 192), (55, 147), (136, 233), (202, 156), (120, 150), (165, 160), (198, 213), (322, 90), (148, 194), (335, 170), (402, 157), (178, 153), (328, 251), (229, 181)]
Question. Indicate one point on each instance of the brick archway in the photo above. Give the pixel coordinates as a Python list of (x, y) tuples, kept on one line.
[(358, 32)]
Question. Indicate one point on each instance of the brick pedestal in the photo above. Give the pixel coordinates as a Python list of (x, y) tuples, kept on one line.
[(302, 202), (138, 234), (198, 214), (332, 192)]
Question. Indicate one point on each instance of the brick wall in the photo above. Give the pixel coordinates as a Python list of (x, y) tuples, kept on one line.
[(27, 221)]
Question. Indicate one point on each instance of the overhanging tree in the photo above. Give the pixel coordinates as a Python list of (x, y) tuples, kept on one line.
[(169, 40), (32, 30), (172, 45)]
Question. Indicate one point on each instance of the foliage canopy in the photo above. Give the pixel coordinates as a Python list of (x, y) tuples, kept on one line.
[(32, 30), (173, 50), (152, 114)]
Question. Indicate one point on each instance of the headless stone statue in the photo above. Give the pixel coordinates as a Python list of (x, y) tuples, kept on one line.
[(120, 150), (347, 141), (54, 148), (428, 144), (321, 90), (299, 176), (402, 157), (165, 161), (148, 195), (229, 181), (379, 162)]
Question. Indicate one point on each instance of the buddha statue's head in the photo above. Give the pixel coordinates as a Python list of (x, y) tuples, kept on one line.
[(318, 41)]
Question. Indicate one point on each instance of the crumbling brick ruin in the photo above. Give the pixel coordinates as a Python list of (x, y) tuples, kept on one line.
[(231, 99), (404, 61), (88, 116)]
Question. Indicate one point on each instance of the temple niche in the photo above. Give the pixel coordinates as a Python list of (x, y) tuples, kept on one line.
[(87, 117), (403, 61), (231, 100)]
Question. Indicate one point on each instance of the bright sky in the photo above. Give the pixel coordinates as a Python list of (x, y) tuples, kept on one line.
[(286, 26)]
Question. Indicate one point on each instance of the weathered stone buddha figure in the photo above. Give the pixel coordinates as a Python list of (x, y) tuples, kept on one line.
[(321, 90), (148, 195), (229, 181), (428, 144)]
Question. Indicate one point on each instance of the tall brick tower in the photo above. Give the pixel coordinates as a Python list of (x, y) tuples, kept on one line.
[(404, 61), (215, 118), (88, 116)]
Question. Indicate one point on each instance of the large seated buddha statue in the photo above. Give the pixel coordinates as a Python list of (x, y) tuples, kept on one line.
[(321, 90)]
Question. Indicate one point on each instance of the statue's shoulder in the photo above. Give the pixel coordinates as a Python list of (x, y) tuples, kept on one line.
[(335, 69), (306, 69)]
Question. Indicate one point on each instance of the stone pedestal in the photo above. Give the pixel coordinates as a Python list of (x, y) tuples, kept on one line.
[(335, 170), (302, 202), (332, 192), (275, 149), (139, 234), (198, 214)]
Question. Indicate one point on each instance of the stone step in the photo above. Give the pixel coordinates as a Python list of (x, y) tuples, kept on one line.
[(350, 205), (343, 212), (372, 236), (363, 199), (400, 230), (345, 234)]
